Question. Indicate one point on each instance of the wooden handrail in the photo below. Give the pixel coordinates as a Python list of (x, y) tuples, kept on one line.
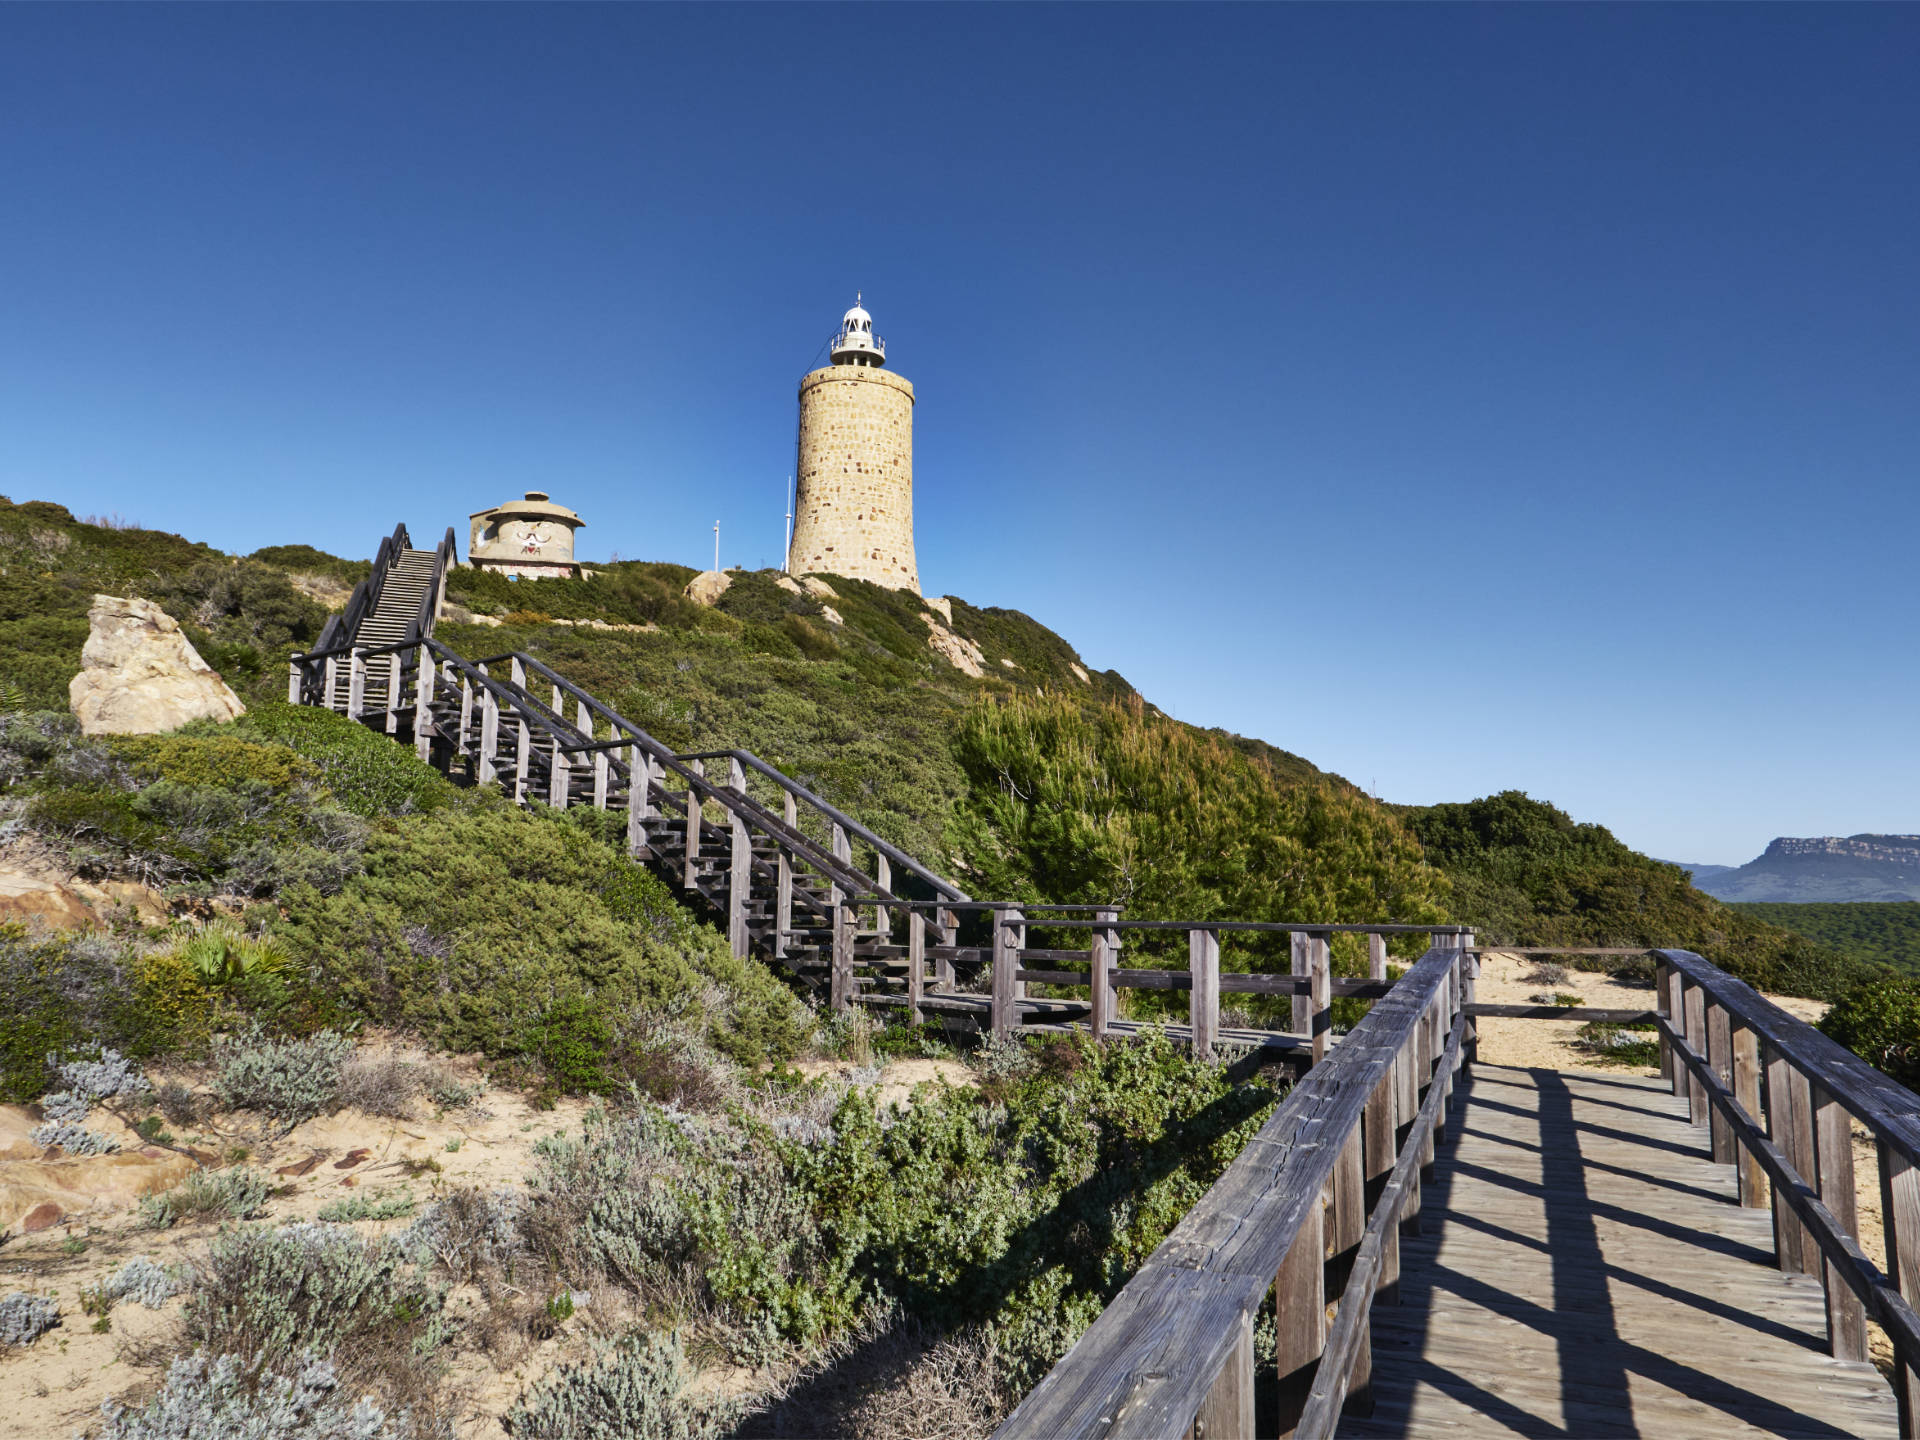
[(1176, 1343)]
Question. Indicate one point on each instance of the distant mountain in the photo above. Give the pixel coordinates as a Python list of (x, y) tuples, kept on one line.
[(1820, 869)]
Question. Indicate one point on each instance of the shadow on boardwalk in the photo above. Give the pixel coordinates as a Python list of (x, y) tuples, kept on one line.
[(1586, 1271)]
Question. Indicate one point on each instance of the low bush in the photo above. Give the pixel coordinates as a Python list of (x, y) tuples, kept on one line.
[(379, 1085), (468, 1231), (524, 934), (637, 1386), (25, 1318), (234, 1400), (362, 1206), (232, 1194), (281, 1293), (1880, 1022), (289, 1079), (144, 1282)]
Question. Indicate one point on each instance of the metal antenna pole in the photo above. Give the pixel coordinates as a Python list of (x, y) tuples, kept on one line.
[(716, 545), (786, 546)]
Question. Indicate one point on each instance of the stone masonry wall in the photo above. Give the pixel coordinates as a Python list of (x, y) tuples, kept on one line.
[(855, 511)]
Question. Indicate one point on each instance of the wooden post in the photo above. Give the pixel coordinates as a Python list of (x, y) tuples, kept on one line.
[(639, 773), (739, 866), (1100, 975), (1300, 966), (1833, 1151), (1900, 1221), (293, 682), (332, 672), (1677, 1017), (1469, 985), (1376, 957), (1746, 1090), (393, 692), (1006, 956), (523, 736), (1319, 962), (1300, 1316), (1227, 1412), (693, 830), (489, 737), (422, 705), (1203, 1001), (1347, 1216), (1406, 1106), (559, 776), (466, 713), (783, 879), (1381, 1140), (883, 880), (1720, 1058), (916, 963), (1790, 1127), (356, 683), (949, 937), (559, 703), (1694, 1007), (840, 983), (1661, 989), (602, 777)]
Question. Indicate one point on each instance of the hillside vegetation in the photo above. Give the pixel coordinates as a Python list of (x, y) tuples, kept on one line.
[(1869, 932)]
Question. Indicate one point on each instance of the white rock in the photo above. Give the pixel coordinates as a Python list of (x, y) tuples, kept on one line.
[(831, 615), (708, 586), (141, 675), (1085, 679), (943, 605), (957, 650), (787, 582), (819, 588)]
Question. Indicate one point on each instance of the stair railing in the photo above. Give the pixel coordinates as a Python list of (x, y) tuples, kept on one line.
[(306, 682)]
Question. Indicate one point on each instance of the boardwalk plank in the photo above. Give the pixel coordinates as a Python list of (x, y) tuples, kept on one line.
[(1586, 1269)]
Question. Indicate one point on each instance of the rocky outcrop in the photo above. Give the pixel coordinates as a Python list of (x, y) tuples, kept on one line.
[(956, 650), (943, 605), (708, 586), (35, 888), (142, 677), (41, 1187), (818, 588)]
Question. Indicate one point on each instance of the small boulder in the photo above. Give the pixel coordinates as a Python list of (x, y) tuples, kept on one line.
[(819, 588), (142, 676), (708, 586), (43, 1216), (831, 615), (788, 583)]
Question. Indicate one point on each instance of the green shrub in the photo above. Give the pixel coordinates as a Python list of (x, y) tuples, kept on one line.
[(517, 933), (363, 771), (362, 1206), (1880, 1022), (63, 994)]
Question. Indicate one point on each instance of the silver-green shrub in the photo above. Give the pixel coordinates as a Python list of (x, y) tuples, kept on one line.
[(362, 1206), (87, 1083), (143, 1281), (25, 1318), (229, 1400), (291, 1080), (635, 1387), (236, 1192), (74, 1139), (468, 1231), (277, 1292)]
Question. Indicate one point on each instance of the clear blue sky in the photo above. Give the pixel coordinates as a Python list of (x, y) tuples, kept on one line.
[(1465, 398)]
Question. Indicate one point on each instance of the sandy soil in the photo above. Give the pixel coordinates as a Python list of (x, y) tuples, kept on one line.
[(54, 1388)]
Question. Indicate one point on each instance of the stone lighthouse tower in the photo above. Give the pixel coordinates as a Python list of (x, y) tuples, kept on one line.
[(853, 514)]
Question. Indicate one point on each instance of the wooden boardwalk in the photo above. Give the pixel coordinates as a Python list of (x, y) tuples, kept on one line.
[(1585, 1271)]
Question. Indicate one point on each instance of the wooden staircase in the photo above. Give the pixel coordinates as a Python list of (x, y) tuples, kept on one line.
[(772, 862)]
